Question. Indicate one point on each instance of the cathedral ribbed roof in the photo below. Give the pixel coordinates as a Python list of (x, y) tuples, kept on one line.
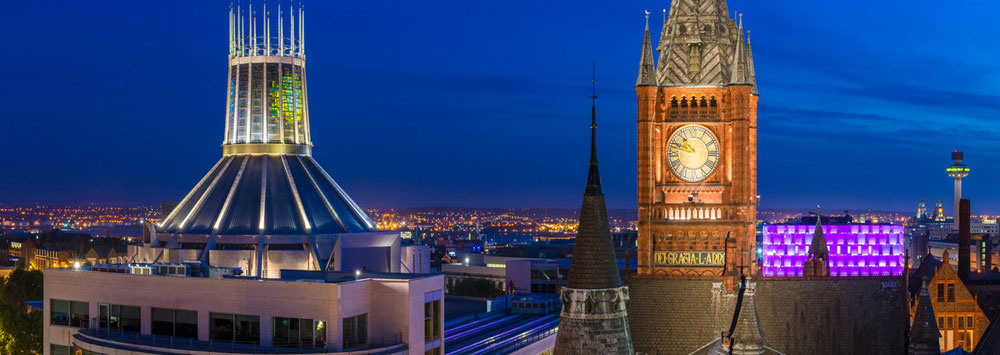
[(270, 195)]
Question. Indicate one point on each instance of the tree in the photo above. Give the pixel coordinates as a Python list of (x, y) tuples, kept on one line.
[(20, 329)]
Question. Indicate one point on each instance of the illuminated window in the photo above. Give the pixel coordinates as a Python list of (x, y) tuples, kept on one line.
[(257, 104), (432, 320)]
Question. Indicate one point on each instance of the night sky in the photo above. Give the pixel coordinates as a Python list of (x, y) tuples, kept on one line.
[(484, 103)]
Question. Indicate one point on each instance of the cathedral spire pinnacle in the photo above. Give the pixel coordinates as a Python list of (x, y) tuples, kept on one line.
[(647, 68), (593, 319), (740, 71), (818, 247)]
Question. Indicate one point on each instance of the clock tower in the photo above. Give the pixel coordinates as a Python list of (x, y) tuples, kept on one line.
[(697, 158)]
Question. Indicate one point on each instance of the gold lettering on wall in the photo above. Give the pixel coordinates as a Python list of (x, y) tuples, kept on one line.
[(689, 258)]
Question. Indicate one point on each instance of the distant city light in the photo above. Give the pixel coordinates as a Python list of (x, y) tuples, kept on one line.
[(76, 265)]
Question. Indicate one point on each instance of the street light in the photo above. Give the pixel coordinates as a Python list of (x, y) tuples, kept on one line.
[(76, 265)]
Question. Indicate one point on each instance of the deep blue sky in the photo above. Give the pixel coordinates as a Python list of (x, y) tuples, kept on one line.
[(484, 103)]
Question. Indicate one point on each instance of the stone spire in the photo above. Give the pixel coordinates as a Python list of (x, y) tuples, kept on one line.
[(819, 252), (740, 73), (594, 319), (818, 247), (647, 69), (697, 43), (924, 331), (594, 264)]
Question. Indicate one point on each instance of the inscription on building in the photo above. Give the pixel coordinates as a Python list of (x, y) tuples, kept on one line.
[(690, 258)]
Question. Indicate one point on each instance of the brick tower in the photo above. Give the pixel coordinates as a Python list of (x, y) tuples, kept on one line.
[(697, 139)]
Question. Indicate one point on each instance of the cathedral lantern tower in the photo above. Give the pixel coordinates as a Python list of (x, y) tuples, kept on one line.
[(697, 140), (266, 205)]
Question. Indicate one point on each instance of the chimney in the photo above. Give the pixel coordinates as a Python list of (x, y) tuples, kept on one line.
[(963, 239)]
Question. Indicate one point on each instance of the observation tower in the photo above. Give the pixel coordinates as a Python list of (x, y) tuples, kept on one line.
[(266, 204), (957, 171)]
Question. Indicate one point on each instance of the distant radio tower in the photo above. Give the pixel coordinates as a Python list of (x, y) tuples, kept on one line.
[(957, 171)]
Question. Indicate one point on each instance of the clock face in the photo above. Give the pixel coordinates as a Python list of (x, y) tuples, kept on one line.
[(693, 153)]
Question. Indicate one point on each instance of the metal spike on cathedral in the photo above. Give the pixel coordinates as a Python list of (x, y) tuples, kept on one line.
[(267, 192), (594, 319), (697, 122)]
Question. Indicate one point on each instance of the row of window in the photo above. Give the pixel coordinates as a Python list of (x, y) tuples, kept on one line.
[(226, 327), (941, 294), (964, 322), (694, 102)]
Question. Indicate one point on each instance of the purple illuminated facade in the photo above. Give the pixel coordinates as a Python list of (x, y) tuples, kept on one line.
[(855, 249)]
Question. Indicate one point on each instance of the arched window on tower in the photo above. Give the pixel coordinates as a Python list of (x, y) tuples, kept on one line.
[(684, 102), (704, 103), (713, 103), (673, 102)]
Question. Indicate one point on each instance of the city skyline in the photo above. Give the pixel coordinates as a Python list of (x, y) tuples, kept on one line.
[(502, 122)]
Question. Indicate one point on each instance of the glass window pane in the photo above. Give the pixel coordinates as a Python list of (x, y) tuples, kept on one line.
[(221, 326), (247, 329), (163, 321), (59, 313), (131, 319), (186, 324), (60, 350), (281, 331), (320, 334), (79, 314), (293, 332), (306, 333)]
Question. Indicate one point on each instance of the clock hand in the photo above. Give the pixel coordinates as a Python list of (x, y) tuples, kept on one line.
[(684, 148), (688, 146)]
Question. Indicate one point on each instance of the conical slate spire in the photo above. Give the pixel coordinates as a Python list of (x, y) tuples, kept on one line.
[(818, 248), (594, 317), (924, 332), (647, 69), (593, 265)]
